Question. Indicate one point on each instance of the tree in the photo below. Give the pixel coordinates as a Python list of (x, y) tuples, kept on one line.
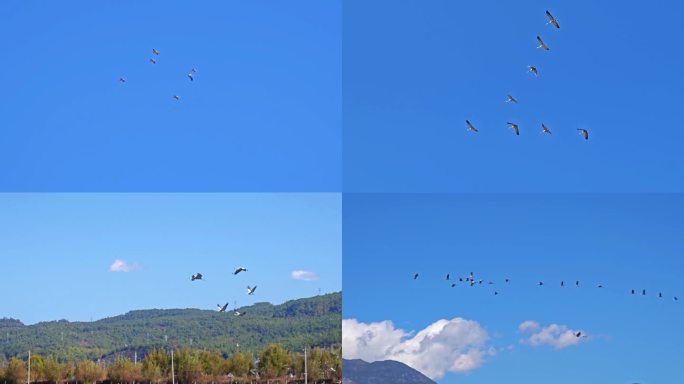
[(188, 366), (239, 364), (123, 370), (53, 371), (274, 361), (16, 371), (88, 372)]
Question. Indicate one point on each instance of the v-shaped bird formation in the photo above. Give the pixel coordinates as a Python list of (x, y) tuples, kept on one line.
[(534, 71)]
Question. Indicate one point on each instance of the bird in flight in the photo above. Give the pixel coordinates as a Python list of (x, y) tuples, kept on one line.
[(541, 283), (542, 45), (515, 127), (122, 79), (471, 127), (511, 99), (600, 286), (191, 77), (584, 133), (545, 129), (562, 284), (447, 276), (221, 308), (577, 283), (196, 276), (415, 276), (152, 60), (632, 291), (250, 290), (176, 97), (643, 292), (552, 20), (193, 70), (239, 269), (238, 313), (155, 51), (534, 70), (453, 285), (578, 334)]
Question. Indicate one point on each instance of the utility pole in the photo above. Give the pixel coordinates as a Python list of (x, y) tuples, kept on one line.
[(306, 371), (173, 375), (28, 380)]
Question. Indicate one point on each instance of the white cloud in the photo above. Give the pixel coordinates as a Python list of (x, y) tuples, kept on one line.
[(304, 275), (556, 335), (122, 266), (529, 325), (456, 345)]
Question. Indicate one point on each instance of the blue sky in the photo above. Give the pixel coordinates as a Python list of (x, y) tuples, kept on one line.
[(264, 113), (57, 249), (415, 70), (620, 241)]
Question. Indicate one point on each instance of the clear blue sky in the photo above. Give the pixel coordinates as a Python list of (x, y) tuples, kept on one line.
[(264, 113), (621, 241), (415, 70), (56, 251)]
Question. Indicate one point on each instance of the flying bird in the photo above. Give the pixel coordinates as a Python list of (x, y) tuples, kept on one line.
[(152, 60), (193, 70), (239, 269), (221, 308), (122, 79), (562, 284), (552, 20), (578, 334), (545, 129), (511, 99), (675, 298), (660, 295), (515, 128), (632, 291), (600, 286), (250, 290), (577, 283), (196, 276), (541, 283), (415, 276), (155, 51), (542, 45), (496, 293), (176, 97), (534, 70), (238, 313), (453, 285), (191, 77), (507, 280), (471, 127), (447, 276), (584, 133), (643, 292)]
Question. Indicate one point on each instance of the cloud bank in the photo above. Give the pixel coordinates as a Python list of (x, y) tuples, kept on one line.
[(122, 266), (555, 335), (304, 275), (456, 345)]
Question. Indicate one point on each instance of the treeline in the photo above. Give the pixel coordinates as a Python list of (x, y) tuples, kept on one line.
[(314, 321), (273, 364)]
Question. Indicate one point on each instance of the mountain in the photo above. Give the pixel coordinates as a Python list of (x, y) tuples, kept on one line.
[(314, 321), (381, 372)]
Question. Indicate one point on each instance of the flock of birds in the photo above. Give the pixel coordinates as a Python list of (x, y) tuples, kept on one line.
[(222, 308), (153, 60), (470, 280), (534, 71)]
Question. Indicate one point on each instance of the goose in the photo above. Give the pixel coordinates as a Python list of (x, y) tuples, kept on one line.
[(447, 276), (239, 269), (453, 285), (542, 45), (515, 127), (552, 20), (643, 292), (415, 276), (191, 77), (577, 283), (471, 127), (196, 276), (238, 313), (152, 60), (578, 334), (221, 308), (511, 99), (176, 97), (562, 284), (545, 129), (584, 133), (534, 70), (122, 79), (154, 51), (250, 290)]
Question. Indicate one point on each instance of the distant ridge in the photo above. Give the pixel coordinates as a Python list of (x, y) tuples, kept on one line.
[(381, 372), (313, 321)]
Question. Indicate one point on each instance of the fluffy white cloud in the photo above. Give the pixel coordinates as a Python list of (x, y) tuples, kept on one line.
[(456, 345), (122, 266), (304, 275), (556, 335)]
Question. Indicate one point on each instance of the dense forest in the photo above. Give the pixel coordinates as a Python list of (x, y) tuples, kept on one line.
[(294, 325), (273, 364)]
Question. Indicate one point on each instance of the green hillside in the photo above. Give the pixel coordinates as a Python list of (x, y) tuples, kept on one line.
[(314, 321)]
